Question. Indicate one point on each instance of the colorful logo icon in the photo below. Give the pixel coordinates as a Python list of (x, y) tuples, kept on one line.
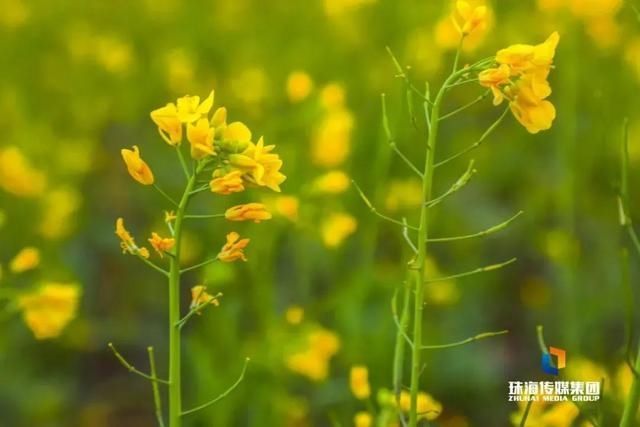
[(547, 360)]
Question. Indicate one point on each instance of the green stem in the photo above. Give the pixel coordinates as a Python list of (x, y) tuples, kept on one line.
[(157, 402), (398, 356), (175, 379), (630, 413)]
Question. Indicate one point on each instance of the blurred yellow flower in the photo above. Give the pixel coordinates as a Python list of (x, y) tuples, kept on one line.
[(313, 361), (471, 18), (255, 212), (200, 296), (261, 166), (403, 194), (359, 382), (338, 7), (15, 13), (331, 141), (294, 315), (58, 206), (200, 136), (17, 176), (333, 182), (114, 54), (138, 168), (363, 419), (233, 250), (544, 414), (427, 407), (27, 259), (190, 109), (169, 124), (250, 86), (161, 244), (180, 69), (299, 86), (286, 206), (228, 183), (50, 308), (336, 228), (332, 96), (594, 8)]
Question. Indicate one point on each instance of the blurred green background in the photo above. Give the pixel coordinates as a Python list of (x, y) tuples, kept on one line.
[(77, 83)]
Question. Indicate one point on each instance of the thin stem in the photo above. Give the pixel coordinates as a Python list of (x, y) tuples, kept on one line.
[(391, 140), (195, 310), (183, 163), (200, 189), (157, 402), (465, 106), (407, 238), (526, 413), (461, 182), (166, 196), (404, 76), (375, 211), (478, 142), (133, 369), (401, 323), (465, 341), (201, 264), (457, 57), (462, 82), (472, 272), (204, 216), (482, 233), (153, 265), (224, 394)]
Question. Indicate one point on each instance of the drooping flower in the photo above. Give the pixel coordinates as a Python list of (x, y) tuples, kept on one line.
[(169, 124), (493, 78), (359, 382), (161, 244), (50, 308), (363, 419), (138, 168), (127, 243), (233, 250), (200, 296), (534, 113), (27, 259), (228, 183), (200, 136), (472, 18), (261, 166), (255, 212), (190, 109)]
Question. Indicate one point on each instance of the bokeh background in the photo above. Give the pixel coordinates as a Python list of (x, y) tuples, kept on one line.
[(77, 83)]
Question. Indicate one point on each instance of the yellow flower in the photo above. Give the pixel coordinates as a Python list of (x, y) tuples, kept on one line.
[(363, 419), (287, 206), (169, 124), (523, 58), (332, 96), (473, 18), (427, 407), (324, 342), (313, 362), (17, 176), (336, 228), (27, 259), (219, 117), (200, 137), (58, 207), (50, 308), (161, 244), (127, 243), (299, 86), (255, 212), (359, 382), (234, 248), (226, 184), (534, 113), (333, 182), (190, 109), (331, 142), (261, 166), (200, 296), (138, 168), (294, 315), (493, 78)]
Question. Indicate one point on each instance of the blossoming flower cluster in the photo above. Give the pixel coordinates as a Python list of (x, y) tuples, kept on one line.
[(521, 77)]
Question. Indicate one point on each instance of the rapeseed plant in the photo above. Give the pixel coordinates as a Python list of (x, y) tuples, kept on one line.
[(517, 74), (224, 160)]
